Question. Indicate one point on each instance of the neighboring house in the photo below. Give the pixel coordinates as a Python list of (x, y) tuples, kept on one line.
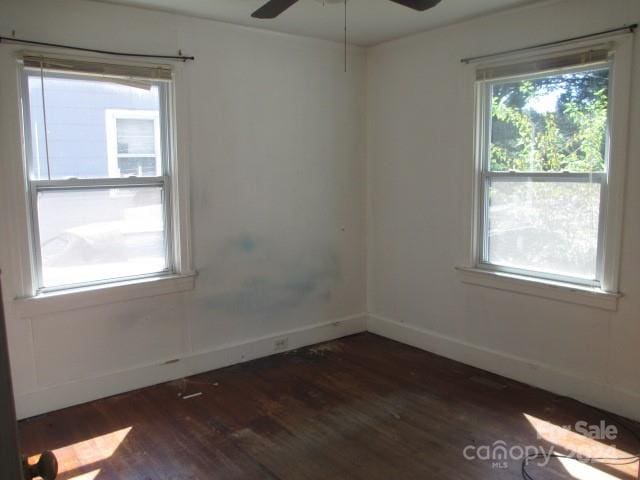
[(95, 129)]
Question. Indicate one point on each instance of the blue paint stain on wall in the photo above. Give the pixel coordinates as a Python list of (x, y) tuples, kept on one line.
[(253, 279), (247, 244)]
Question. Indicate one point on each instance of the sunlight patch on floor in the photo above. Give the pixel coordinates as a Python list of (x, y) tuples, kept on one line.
[(86, 476), (87, 452), (567, 441), (583, 471)]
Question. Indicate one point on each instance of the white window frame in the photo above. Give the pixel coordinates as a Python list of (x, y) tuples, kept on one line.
[(111, 121), (179, 276), (605, 293), (485, 93)]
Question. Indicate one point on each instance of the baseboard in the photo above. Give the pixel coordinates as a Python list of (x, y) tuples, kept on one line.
[(547, 377), (68, 394)]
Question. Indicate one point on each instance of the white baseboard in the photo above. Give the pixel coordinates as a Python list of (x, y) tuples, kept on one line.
[(68, 394), (547, 377), (622, 402)]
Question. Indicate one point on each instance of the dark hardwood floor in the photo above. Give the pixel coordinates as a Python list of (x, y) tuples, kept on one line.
[(361, 407)]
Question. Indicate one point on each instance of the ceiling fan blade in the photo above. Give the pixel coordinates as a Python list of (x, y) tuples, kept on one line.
[(420, 5), (272, 8)]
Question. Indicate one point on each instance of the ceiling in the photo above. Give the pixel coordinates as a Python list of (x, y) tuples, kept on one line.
[(370, 21)]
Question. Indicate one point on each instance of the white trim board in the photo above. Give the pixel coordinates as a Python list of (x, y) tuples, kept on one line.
[(540, 375), (547, 377), (81, 391), (591, 297)]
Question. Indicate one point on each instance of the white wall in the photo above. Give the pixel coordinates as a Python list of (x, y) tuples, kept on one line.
[(276, 147), (420, 110), (276, 153)]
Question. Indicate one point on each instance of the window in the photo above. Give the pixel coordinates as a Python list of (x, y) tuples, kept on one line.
[(544, 165), (133, 143), (99, 170)]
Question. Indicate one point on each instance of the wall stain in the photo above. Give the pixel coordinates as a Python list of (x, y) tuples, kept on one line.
[(247, 243), (254, 277)]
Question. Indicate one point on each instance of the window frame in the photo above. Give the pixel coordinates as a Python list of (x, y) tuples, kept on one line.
[(172, 180), (612, 190), (37, 186), (485, 93)]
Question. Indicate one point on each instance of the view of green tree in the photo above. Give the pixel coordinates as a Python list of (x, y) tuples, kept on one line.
[(554, 123), (550, 124)]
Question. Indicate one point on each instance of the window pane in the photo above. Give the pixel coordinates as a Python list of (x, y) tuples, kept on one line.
[(78, 246), (547, 227), (135, 135), (554, 123), (78, 141)]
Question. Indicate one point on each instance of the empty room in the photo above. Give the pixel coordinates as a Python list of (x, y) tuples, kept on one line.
[(319, 239)]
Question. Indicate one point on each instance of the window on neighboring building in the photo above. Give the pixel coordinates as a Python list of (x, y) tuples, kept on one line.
[(543, 133), (133, 138), (98, 148)]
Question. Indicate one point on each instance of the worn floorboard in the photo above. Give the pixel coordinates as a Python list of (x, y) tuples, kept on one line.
[(362, 407)]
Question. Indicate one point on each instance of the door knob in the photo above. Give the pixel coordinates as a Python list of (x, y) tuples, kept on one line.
[(46, 468)]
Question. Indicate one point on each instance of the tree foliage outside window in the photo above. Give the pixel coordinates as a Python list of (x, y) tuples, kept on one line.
[(550, 124)]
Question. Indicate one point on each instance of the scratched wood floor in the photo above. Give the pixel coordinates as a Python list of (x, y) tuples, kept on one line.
[(361, 407)]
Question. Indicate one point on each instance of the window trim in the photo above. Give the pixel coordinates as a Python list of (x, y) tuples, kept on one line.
[(541, 288), (611, 231), (103, 294), (177, 211)]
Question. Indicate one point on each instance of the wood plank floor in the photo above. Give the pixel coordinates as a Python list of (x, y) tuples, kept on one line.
[(361, 407)]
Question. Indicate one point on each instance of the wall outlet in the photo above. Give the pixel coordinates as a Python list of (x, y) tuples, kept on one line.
[(281, 344)]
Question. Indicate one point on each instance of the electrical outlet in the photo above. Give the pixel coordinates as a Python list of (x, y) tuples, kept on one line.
[(281, 344)]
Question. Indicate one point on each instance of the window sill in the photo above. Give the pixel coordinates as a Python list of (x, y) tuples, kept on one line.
[(591, 297), (85, 297)]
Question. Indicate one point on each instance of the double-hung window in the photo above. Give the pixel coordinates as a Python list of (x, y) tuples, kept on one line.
[(98, 147), (544, 162)]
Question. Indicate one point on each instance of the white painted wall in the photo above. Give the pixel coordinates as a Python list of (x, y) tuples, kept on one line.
[(276, 153), (420, 106), (276, 141)]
